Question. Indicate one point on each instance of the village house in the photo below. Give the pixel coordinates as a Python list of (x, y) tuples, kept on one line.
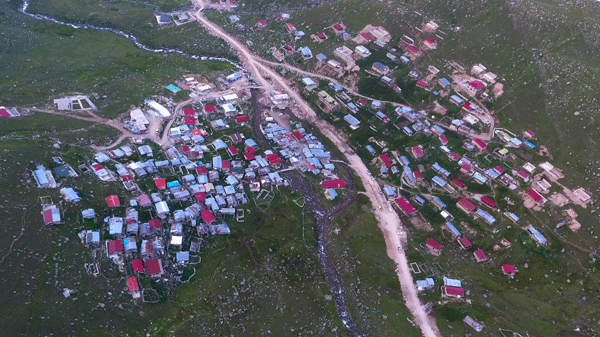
[(452, 288), (465, 243), (381, 33), (51, 215), (473, 323), (426, 284), (261, 24), (154, 268), (433, 246), (417, 152), (465, 205), (362, 51), (479, 144), (406, 207), (414, 50), (452, 229), (339, 28), (306, 53), (535, 196), (352, 121), (480, 255), (380, 68), (330, 193), (474, 88), (430, 44), (70, 195)]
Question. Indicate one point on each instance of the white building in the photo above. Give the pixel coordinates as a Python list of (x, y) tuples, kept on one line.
[(161, 110), (162, 209)]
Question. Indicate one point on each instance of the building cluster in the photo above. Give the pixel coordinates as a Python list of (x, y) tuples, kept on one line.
[(191, 189)]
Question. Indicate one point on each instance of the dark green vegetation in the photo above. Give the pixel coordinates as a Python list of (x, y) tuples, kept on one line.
[(544, 54), (138, 19), (50, 59), (265, 276), (549, 68)]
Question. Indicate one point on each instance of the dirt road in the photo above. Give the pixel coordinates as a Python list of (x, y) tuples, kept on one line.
[(389, 222)]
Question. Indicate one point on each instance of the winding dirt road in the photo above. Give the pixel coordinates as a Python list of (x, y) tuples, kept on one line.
[(389, 222)]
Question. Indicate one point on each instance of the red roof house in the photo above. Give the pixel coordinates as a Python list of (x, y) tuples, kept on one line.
[(524, 175), (367, 37), (261, 24), (454, 291), (273, 158), (479, 143), (414, 50), (115, 246), (201, 170), (422, 84), (321, 36), (209, 108), (249, 156), (534, 195), (232, 150), (430, 43), (154, 267), (454, 156), (417, 152), (200, 196), (338, 27), (488, 202), (4, 113), (49, 217), (154, 224), (465, 243), (443, 139), (189, 120), (161, 183), (138, 265), (508, 269), (432, 244), (417, 175), (466, 205), (458, 183), (226, 165), (335, 183), (386, 160), (189, 112), (298, 135), (241, 119), (132, 283), (113, 201), (475, 87), (362, 102), (406, 206), (207, 216), (480, 255), (290, 27)]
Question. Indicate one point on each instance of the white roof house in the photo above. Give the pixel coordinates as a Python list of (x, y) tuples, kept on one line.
[(69, 194), (362, 51), (162, 208), (115, 226), (88, 213), (160, 109)]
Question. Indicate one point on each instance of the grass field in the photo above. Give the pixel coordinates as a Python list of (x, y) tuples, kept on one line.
[(263, 278), (51, 59)]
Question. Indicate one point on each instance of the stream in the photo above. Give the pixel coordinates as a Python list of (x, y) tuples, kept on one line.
[(133, 38)]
